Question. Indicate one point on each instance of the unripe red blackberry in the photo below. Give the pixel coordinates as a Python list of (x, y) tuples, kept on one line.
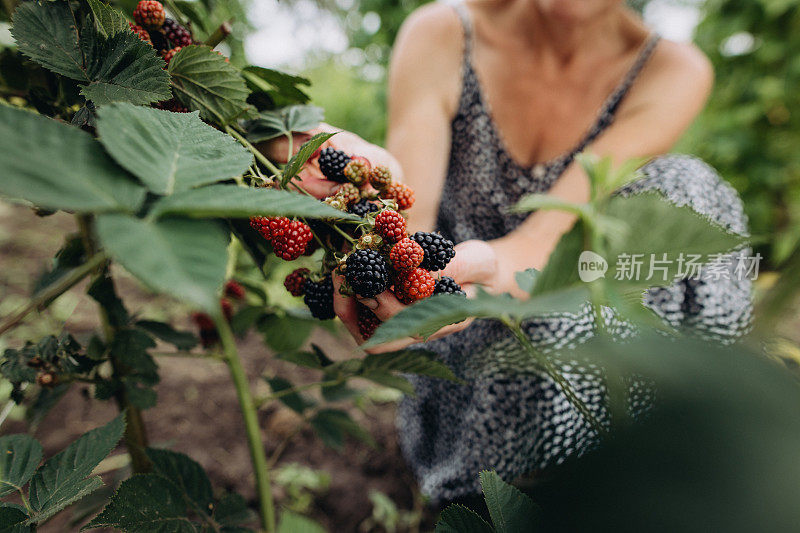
[(407, 254), (172, 105), (363, 207), (368, 321), (438, 250), (292, 241), (234, 290), (319, 298), (414, 285), (367, 273), (332, 162), (269, 227), (295, 282), (209, 336), (400, 193), (177, 34), (357, 170), (390, 225), (380, 177), (447, 285), (141, 33), (349, 194), (169, 54), (150, 14), (227, 308)]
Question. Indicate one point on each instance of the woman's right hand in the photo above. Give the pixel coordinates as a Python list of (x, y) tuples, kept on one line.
[(310, 177)]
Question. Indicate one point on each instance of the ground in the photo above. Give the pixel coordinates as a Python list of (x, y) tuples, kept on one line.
[(197, 411)]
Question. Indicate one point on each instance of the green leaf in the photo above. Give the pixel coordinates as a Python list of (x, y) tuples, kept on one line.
[(140, 396), (561, 269), (280, 87), (332, 425), (205, 82), (299, 159), (130, 349), (57, 166), (458, 519), (116, 68), (108, 19), (177, 256), (231, 511), (272, 124), (20, 455), (169, 152), (526, 279), (103, 292), (239, 202), (420, 362), (295, 523), (306, 359), (294, 401), (187, 475), (536, 202), (48, 34), (182, 340), (14, 364), (62, 480), (13, 518), (511, 510), (145, 503), (387, 379), (285, 333), (431, 314)]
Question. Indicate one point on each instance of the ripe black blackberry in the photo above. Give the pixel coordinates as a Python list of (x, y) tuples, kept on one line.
[(447, 285), (319, 298), (332, 162), (367, 272), (177, 34), (438, 250), (363, 207)]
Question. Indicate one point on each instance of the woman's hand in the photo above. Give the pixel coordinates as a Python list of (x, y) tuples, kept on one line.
[(474, 264), (310, 177)]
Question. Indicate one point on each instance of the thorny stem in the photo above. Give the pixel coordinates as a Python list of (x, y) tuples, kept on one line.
[(250, 415), (261, 157), (556, 376), (53, 291)]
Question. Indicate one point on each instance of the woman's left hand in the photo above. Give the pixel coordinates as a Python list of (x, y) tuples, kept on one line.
[(474, 264)]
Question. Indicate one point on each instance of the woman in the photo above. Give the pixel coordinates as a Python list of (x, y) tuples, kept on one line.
[(491, 100)]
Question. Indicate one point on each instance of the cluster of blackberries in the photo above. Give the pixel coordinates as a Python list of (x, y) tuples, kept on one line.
[(164, 34), (375, 255)]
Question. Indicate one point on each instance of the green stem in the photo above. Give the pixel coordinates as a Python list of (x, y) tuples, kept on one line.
[(261, 157), (285, 392), (177, 13), (342, 233), (53, 291), (219, 35), (555, 374), (250, 415), (25, 501)]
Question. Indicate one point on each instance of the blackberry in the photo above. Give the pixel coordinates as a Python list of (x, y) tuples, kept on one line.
[(332, 162), (438, 250), (368, 322), (295, 282), (140, 32), (413, 285), (319, 298), (159, 41), (177, 34), (367, 273), (390, 225), (406, 255), (149, 14), (447, 285), (363, 207), (169, 54), (233, 289)]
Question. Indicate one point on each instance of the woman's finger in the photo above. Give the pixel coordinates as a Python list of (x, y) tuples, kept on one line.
[(385, 305), (346, 308)]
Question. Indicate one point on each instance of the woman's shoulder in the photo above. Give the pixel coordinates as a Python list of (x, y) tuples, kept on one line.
[(679, 64), (435, 24)]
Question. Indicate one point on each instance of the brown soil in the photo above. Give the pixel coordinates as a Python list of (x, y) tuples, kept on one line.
[(197, 411)]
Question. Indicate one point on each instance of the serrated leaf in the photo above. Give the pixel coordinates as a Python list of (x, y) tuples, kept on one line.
[(526, 279), (103, 292), (140, 396), (431, 314), (387, 379), (420, 362), (119, 67), (48, 34), (295, 523), (181, 257), (458, 519), (333, 424), (285, 333), (108, 19), (283, 121), (561, 269), (294, 401), (169, 152), (130, 349), (20, 455), (239, 202), (182, 340), (145, 503), (63, 480), (511, 510), (187, 475), (57, 166), (205, 82), (299, 159), (13, 518)]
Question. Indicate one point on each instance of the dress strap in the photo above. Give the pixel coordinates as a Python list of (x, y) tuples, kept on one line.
[(466, 22)]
